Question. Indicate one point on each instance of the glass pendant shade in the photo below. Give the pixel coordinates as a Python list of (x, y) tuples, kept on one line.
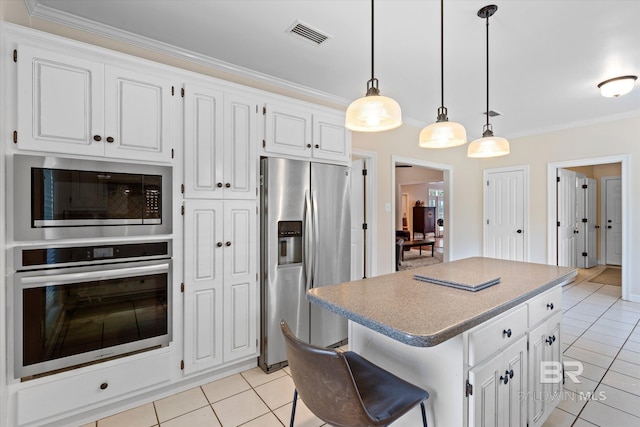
[(618, 86), (373, 113), (442, 135), (488, 146)]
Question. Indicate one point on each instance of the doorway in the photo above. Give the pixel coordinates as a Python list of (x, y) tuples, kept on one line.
[(622, 162), (442, 195)]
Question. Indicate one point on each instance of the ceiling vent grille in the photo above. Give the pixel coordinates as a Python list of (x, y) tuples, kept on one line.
[(308, 33)]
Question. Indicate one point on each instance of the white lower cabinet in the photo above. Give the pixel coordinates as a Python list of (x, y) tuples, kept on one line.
[(220, 284)]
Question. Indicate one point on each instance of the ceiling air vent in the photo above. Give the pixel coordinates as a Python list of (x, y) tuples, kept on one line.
[(306, 32)]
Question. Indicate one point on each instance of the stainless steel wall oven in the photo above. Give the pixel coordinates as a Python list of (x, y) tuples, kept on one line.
[(57, 198), (79, 304)]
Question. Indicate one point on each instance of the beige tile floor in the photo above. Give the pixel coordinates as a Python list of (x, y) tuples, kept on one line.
[(599, 330)]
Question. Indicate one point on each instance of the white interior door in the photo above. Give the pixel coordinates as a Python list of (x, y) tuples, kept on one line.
[(590, 230), (566, 218), (581, 242), (613, 221), (504, 201), (357, 219)]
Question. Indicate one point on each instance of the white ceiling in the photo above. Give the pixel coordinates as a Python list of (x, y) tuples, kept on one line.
[(546, 57)]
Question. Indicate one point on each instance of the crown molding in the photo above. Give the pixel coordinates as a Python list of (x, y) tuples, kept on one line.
[(38, 10)]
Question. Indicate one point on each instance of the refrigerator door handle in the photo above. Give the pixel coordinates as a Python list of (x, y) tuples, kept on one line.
[(307, 246), (316, 236)]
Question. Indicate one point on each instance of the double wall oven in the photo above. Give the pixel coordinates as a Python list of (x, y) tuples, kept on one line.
[(89, 283)]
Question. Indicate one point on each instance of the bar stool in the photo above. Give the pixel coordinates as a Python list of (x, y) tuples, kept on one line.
[(346, 390)]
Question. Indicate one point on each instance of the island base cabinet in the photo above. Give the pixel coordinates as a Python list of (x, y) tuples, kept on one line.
[(499, 385)]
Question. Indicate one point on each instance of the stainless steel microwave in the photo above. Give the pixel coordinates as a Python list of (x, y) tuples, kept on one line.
[(58, 198)]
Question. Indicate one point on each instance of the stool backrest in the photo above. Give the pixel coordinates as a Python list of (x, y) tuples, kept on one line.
[(324, 382)]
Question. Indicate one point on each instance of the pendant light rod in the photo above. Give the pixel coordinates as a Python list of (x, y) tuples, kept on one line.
[(442, 53), (372, 32), (486, 12)]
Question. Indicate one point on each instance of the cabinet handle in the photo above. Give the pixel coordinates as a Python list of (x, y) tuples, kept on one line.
[(219, 244), (550, 306), (505, 379), (228, 244), (308, 145), (219, 185), (317, 146), (227, 185), (507, 332), (109, 139), (97, 138), (104, 386)]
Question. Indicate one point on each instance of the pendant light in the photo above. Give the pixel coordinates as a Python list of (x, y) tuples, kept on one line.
[(489, 145), (442, 133), (373, 112)]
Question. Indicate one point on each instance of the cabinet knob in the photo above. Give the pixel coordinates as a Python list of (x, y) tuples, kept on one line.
[(519, 231), (505, 379), (507, 332), (104, 386), (219, 244), (317, 146), (550, 306), (97, 138), (110, 139), (309, 146), (511, 373), (228, 244), (227, 185), (551, 340), (219, 185)]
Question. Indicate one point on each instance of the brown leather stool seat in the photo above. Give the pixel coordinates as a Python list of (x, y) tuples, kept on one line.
[(346, 390)]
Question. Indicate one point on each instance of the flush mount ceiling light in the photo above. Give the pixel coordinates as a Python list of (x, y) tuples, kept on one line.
[(617, 86), (442, 133), (489, 145), (373, 112)]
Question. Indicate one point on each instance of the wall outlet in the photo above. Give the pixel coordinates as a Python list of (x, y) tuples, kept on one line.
[(387, 207)]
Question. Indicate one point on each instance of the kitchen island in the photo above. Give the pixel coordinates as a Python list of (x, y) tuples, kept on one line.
[(461, 345)]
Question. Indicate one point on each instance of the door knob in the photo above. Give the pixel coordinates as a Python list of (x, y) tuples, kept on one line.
[(228, 244), (219, 185), (227, 185), (308, 145), (518, 231), (609, 220), (109, 139), (608, 226)]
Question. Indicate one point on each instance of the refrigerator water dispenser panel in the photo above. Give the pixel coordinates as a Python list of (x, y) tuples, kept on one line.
[(289, 242)]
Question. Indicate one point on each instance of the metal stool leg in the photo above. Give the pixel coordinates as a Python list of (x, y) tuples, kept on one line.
[(295, 400), (424, 415)]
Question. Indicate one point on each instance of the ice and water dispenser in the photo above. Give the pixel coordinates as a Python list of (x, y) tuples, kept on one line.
[(289, 242)]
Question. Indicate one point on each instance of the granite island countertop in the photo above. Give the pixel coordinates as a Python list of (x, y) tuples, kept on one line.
[(425, 314)]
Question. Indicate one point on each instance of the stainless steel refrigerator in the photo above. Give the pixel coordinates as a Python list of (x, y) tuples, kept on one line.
[(305, 243)]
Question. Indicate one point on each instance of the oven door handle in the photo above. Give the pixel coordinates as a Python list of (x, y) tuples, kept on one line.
[(67, 278)]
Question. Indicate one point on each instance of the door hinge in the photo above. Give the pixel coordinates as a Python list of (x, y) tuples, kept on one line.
[(182, 209), (527, 345), (585, 186), (364, 172), (487, 222), (182, 364), (557, 179), (182, 188), (15, 55), (182, 92), (15, 136), (264, 143), (487, 183), (173, 91), (584, 254), (364, 226), (264, 110), (468, 390), (558, 223), (585, 220), (172, 153), (182, 287)]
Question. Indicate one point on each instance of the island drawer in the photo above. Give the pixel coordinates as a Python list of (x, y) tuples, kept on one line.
[(545, 305), (497, 334)]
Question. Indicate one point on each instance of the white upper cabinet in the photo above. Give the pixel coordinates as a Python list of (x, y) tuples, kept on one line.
[(299, 131), (220, 144), (75, 105)]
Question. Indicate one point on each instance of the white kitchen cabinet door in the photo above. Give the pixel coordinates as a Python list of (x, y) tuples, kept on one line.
[(60, 102), (138, 111), (203, 281), (484, 403), (240, 138), (288, 130), (515, 401), (203, 142), (331, 140), (240, 280)]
